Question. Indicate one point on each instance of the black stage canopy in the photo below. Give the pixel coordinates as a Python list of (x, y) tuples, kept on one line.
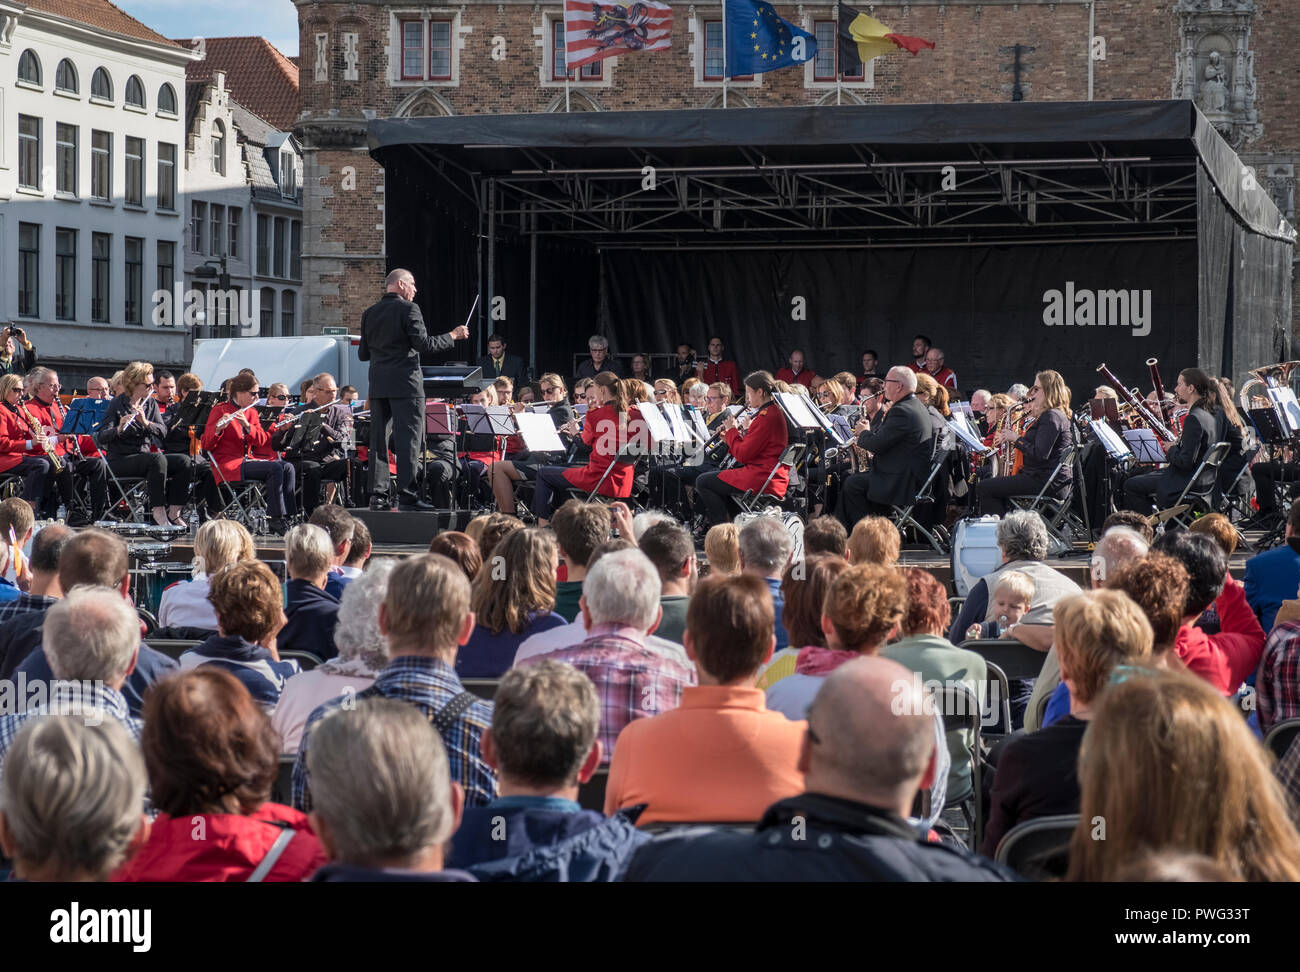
[(988, 227)]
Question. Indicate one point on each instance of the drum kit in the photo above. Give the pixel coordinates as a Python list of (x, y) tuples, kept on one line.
[(148, 548)]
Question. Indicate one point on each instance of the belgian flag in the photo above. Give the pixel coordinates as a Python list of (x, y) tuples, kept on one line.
[(862, 37)]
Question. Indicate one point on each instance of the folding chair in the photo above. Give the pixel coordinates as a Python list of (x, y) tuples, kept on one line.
[(902, 516), (305, 659), (751, 500), (131, 490), (1281, 736), (1057, 514), (626, 456), (484, 688), (242, 500), (10, 486), (961, 712), (1016, 660), (1199, 500), (1030, 848), (282, 788), (171, 647), (1001, 684)]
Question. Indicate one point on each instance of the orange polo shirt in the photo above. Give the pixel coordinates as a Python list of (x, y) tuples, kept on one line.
[(720, 756)]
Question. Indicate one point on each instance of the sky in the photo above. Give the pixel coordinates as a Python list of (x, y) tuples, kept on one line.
[(276, 20)]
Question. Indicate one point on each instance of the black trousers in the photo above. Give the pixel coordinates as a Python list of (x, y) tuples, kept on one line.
[(1268, 473), (441, 474), (991, 495), (92, 472), (406, 414), (714, 495), (667, 486), (1140, 492), (852, 504), (281, 486), (168, 475), (313, 473), (34, 470)]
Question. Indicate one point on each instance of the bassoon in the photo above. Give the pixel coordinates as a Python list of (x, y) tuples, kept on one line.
[(1161, 430), (1166, 407)]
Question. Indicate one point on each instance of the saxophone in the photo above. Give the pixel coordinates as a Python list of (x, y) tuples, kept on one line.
[(55, 462)]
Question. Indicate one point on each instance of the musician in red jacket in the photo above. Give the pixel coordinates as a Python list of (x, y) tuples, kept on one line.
[(15, 435), (716, 369), (92, 470), (756, 443), (234, 429), (609, 424)]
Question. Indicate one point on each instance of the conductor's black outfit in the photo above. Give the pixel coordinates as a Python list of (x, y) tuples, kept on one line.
[(392, 339)]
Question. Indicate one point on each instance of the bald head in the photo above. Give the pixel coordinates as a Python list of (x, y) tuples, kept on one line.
[(899, 383), (1118, 547), (399, 281), (876, 735)]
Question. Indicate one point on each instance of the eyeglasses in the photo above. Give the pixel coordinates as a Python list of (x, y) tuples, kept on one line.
[(816, 739), (275, 397), (580, 396), (894, 380), (660, 391)]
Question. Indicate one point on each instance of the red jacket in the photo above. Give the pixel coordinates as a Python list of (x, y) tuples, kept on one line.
[(14, 433), (757, 451), (224, 847), (606, 435), (804, 377), (230, 446), (723, 371), (1227, 658), (49, 423), (945, 376)]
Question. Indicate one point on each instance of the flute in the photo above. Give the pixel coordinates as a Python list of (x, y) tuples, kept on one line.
[(227, 419)]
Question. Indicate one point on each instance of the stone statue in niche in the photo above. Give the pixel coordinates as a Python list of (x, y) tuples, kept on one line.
[(1213, 96)]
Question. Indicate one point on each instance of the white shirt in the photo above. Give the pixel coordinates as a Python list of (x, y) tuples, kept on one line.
[(575, 633), (302, 694), (185, 605)]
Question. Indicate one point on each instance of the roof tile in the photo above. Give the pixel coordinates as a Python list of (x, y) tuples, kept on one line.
[(258, 76), (101, 14)]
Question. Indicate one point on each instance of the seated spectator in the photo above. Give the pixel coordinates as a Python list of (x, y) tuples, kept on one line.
[(358, 553), (246, 597), (803, 587), (867, 750), (1134, 521), (17, 518), (47, 548), (338, 523), (874, 540), (71, 799), (494, 529), (311, 610), (1012, 595), (93, 558), (721, 755), (474, 529), (765, 548), (1195, 780), (363, 653), (1227, 658), (620, 608), (1037, 773), (722, 549), (217, 544), (212, 757), (1218, 528), (825, 535), (579, 529), (385, 802), (1274, 575), (511, 600), (461, 549), (923, 649), (1118, 547), (425, 618), (543, 745), (671, 550), (91, 638)]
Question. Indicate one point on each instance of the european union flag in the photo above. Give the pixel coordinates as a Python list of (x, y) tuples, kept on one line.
[(758, 40)]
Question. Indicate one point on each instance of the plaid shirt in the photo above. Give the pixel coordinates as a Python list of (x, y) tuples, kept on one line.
[(94, 700), (631, 681), (1278, 687), (428, 684), (23, 604), (1287, 772)]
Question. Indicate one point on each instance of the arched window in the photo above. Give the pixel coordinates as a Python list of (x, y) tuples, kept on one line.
[(101, 85), (167, 99), (29, 67), (218, 148), (65, 77), (134, 92)]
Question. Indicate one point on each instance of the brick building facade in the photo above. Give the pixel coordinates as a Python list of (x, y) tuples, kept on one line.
[(368, 58)]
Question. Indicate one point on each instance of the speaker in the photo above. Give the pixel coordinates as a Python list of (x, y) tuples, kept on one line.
[(408, 529)]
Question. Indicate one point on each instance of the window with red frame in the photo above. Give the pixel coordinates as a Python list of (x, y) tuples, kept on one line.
[(826, 62), (426, 50)]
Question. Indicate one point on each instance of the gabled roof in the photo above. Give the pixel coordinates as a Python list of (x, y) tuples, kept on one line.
[(100, 14), (258, 76)]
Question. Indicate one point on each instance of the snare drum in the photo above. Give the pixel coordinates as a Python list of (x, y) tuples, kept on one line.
[(149, 580), (147, 551)]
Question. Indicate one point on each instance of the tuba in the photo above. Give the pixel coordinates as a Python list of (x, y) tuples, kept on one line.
[(1254, 393)]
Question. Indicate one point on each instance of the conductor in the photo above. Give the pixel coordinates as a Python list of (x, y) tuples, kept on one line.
[(392, 338)]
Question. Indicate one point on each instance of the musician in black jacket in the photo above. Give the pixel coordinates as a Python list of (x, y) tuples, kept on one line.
[(1045, 441), (1194, 390), (901, 444), (392, 339)]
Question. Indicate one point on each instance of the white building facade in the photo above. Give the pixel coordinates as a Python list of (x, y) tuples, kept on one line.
[(92, 189)]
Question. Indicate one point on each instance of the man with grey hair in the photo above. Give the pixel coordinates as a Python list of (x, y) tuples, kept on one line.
[(620, 608), (392, 339), (311, 609), (1018, 391), (91, 637), (869, 747), (71, 799), (1118, 547), (543, 745), (979, 404), (765, 548), (323, 460), (599, 361), (901, 443), (385, 803)]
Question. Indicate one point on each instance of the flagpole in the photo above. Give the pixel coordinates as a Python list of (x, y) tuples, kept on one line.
[(567, 69), (724, 53)]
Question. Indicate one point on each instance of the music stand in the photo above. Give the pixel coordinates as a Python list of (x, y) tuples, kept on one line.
[(491, 420), (267, 414), (306, 432), (1145, 445), (83, 416), (1116, 447), (438, 419)]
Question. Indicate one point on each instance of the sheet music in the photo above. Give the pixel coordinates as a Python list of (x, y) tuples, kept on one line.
[(676, 423), (1285, 401), (1115, 446), (489, 419), (538, 432), (655, 423), (799, 409), (1145, 446), (699, 427), (971, 442)]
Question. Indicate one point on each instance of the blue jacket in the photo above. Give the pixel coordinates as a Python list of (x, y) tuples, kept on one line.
[(312, 615), (778, 604), (348, 873), (832, 840), (150, 666), (262, 675), (488, 655), (1271, 578), (544, 839)]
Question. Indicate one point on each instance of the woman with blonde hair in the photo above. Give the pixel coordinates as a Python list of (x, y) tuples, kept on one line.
[(666, 392), (1044, 442), (218, 543), (722, 549), (513, 598), (1169, 765)]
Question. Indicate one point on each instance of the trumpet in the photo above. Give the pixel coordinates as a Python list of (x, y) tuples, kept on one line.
[(38, 436)]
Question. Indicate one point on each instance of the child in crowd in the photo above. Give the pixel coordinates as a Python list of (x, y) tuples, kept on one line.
[(1011, 599)]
